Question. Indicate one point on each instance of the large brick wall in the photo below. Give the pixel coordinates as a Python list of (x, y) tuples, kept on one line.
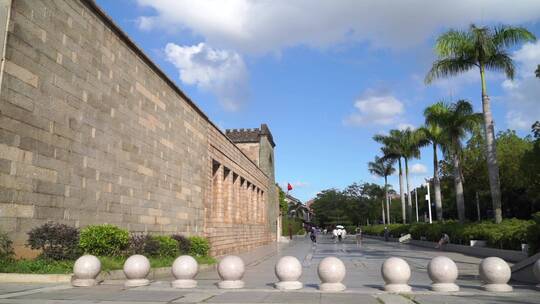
[(91, 132)]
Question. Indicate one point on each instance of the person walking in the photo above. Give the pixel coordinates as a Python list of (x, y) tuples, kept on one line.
[(313, 234), (358, 236), (290, 230)]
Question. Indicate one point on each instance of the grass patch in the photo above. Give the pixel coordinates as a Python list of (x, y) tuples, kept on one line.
[(41, 266)]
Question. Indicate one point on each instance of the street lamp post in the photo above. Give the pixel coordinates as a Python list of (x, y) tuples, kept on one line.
[(416, 200), (383, 217), (428, 198)]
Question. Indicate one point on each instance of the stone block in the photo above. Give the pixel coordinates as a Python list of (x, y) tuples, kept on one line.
[(33, 172), (49, 213), (21, 73), (5, 166), (50, 188)]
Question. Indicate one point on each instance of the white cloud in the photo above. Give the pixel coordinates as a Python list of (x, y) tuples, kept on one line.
[(529, 58), (220, 72), (251, 26), (522, 96), (418, 169), (404, 126), (375, 109)]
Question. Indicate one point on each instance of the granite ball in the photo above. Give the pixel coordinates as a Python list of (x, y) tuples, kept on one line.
[(231, 268), (331, 271), (85, 271), (396, 274), (288, 268), (495, 273), (136, 268), (87, 267), (443, 272), (442, 269), (185, 267)]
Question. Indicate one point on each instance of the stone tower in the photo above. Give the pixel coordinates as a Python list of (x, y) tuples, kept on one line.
[(258, 144)]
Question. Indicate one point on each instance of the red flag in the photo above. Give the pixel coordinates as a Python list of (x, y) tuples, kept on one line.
[(289, 187)]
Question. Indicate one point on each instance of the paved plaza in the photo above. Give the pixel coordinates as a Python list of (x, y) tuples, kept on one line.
[(364, 282)]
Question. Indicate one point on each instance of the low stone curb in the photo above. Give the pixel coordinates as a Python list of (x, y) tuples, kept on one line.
[(34, 278), (507, 255), (155, 273)]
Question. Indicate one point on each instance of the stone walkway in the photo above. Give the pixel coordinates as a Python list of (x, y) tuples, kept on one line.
[(363, 280)]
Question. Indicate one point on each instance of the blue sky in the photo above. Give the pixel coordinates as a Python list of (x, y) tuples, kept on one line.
[(326, 76)]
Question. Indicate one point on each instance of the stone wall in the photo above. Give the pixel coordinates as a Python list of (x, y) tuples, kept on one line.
[(91, 131)]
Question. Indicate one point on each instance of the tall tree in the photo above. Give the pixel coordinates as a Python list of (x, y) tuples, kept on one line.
[(483, 48), (296, 209), (383, 168), (456, 120), (436, 137), (411, 141), (393, 149), (537, 72)]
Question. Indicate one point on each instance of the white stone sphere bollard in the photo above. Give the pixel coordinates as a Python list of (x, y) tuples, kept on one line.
[(536, 271), (331, 271), (136, 268), (443, 272), (495, 273), (85, 271), (288, 270), (184, 269), (231, 271), (396, 274)]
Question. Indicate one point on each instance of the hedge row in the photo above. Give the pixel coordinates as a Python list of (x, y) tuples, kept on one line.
[(62, 242), (509, 234)]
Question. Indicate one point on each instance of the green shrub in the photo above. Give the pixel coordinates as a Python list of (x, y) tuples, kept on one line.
[(199, 246), (6, 247), (296, 225), (104, 240), (533, 234), (141, 243), (184, 245), (56, 241), (168, 247), (397, 230)]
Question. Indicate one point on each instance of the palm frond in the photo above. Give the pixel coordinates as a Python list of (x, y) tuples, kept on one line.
[(449, 67), (501, 62), (509, 36), (454, 44)]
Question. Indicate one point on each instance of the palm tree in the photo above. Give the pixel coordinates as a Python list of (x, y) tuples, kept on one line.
[(393, 150), (296, 209), (383, 168), (412, 141), (456, 120), (435, 135), (483, 48)]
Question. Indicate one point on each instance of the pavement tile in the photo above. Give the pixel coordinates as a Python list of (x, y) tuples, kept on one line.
[(347, 298), (240, 297), (293, 297), (196, 297), (388, 298)]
